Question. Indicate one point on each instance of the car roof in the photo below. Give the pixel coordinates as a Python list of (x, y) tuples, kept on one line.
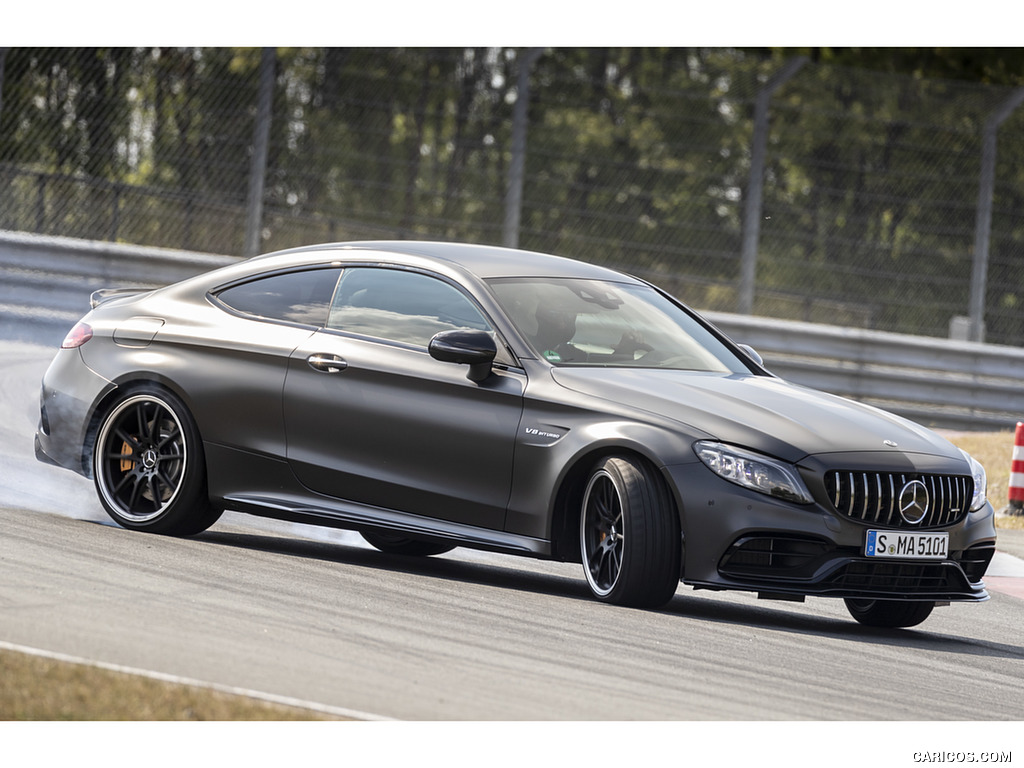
[(484, 261)]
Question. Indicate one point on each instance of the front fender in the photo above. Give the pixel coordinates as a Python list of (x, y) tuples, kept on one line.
[(556, 448)]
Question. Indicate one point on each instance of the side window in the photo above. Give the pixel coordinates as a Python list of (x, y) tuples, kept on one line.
[(400, 306), (293, 297)]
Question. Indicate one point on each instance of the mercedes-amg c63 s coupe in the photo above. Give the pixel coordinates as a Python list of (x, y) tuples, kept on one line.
[(435, 395)]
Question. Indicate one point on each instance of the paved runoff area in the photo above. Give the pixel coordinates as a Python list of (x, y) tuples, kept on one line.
[(1006, 573)]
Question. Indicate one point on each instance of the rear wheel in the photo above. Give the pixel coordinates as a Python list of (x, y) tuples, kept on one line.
[(148, 465), (889, 613), (394, 544), (629, 535)]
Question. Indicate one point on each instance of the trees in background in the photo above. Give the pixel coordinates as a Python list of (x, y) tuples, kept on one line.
[(638, 158)]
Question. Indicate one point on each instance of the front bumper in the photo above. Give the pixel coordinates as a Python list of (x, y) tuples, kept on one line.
[(799, 566), (741, 540)]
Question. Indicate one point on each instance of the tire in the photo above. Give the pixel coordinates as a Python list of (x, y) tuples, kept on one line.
[(394, 544), (889, 613), (629, 535), (148, 465)]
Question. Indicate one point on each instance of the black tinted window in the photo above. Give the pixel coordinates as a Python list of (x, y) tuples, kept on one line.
[(401, 306), (294, 297)]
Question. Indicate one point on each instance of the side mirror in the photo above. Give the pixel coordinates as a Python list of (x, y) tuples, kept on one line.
[(473, 348), (749, 352)]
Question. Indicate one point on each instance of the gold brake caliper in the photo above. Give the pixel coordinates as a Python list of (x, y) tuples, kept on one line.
[(127, 465)]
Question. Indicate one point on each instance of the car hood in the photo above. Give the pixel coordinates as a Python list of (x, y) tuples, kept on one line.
[(763, 413)]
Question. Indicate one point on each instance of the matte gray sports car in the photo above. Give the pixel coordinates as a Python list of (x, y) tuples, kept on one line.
[(432, 395)]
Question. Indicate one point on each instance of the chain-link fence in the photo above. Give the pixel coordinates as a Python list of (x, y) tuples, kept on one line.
[(870, 208)]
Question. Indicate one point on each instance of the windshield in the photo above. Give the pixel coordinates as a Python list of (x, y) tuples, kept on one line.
[(595, 322)]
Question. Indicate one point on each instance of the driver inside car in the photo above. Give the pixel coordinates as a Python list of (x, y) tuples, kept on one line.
[(555, 329)]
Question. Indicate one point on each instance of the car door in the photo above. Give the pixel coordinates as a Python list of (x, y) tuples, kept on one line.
[(231, 355), (372, 418)]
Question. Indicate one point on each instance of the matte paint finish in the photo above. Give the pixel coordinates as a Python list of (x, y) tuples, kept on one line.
[(762, 413), (396, 428), (394, 439)]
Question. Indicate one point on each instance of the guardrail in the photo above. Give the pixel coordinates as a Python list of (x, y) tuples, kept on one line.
[(937, 382), (46, 282)]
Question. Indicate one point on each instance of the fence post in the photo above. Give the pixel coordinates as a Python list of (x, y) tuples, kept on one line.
[(520, 117), (3, 59), (115, 214), (755, 185), (41, 204), (983, 215), (258, 166)]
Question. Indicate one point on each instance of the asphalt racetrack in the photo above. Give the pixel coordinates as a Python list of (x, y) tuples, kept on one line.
[(320, 617)]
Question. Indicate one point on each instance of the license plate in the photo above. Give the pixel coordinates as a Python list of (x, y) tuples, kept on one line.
[(919, 546)]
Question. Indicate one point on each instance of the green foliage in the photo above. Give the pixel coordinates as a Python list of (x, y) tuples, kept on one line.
[(637, 158), (992, 66)]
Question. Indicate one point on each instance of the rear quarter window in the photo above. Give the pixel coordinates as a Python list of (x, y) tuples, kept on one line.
[(302, 297)]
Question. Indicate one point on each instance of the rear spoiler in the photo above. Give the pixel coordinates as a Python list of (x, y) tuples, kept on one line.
[(106, 294)]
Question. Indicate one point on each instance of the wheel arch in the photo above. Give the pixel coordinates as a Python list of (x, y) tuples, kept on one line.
[(568, 498), (151, 474), (122, 386)]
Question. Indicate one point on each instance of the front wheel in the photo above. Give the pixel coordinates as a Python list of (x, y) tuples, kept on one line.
[(889, 613), (148, 465), (629, 535)]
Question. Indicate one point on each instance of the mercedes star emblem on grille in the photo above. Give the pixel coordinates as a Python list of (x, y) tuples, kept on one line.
[(914, 501)]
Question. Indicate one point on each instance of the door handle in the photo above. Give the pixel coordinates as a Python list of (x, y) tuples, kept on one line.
[(327, 363)]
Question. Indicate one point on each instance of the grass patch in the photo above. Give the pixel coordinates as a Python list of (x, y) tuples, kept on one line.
[(38, 688), (995, 452)]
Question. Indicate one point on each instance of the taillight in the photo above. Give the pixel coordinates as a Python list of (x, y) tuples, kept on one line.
[(77, 336)]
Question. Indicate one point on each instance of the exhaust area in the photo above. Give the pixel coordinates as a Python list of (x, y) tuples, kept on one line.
[(24, 481)]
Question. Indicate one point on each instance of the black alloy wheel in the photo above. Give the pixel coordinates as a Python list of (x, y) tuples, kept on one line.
[(148, 465), (629, 535)]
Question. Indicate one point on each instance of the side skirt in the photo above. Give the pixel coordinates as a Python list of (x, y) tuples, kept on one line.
[(356, 517)]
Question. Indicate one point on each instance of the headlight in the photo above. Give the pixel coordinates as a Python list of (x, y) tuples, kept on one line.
[(980, 482), (754, 471)]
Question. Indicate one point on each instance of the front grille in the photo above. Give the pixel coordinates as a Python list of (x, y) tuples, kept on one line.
[(874, 497)]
